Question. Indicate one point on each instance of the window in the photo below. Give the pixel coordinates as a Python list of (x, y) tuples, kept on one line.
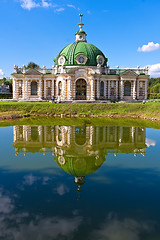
[(33, 88), (127, 89), (102, 89)]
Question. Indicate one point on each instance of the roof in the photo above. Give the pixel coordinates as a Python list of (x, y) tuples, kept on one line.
[(71, 51), (80, 32)]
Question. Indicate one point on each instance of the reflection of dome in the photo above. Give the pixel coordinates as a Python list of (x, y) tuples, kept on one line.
[(73, 50), (81, 166)]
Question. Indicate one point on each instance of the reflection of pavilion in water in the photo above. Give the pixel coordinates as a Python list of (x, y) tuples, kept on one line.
[(79, 151)]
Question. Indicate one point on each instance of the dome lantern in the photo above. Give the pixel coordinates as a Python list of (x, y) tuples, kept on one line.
[(81, 35)]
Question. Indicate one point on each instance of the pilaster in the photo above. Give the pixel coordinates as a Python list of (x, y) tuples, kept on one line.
[(121, 89), (92, 89), (109, 89), (40, 89), (134, 89), (98, 90), (69, 88), (146, 89), (116, 89), (52, 92), (105, 88), (138, 89), (44, 88)]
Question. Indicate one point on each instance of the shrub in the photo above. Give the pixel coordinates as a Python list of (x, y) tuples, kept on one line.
[(6, 95)]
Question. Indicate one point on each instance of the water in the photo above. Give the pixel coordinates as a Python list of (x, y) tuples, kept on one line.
[(79, 182)]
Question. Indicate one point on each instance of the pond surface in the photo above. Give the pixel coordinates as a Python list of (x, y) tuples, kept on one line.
[(79, 182)]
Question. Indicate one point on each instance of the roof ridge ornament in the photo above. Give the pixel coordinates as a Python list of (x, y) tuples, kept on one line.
[(81, 24)]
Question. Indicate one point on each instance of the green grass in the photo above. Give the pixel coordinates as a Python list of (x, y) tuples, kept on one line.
[(137, 110)]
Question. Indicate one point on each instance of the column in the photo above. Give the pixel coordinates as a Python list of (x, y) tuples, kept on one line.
[(105, 88), (121, 89), (26, 89), (92, 89), (91, 135), (14, 88), (133, 131), (120, 134), (69, 88), (146, 89), (40, 89), (52, 87), (23, 89), (138, 89), (116, 89), (109, 89), (98, 90), (64, 89), (44, 89), (134, 89), (69, 136), (97, 135)]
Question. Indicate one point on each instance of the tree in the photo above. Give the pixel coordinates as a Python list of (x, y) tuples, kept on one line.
[(32, 65)]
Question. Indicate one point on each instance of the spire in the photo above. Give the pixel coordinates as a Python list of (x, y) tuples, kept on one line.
[(81, 35), (81, 24)]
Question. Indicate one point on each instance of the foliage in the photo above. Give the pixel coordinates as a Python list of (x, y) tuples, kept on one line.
[(154, 88), (32, 65), (6, 96), (7, 81)]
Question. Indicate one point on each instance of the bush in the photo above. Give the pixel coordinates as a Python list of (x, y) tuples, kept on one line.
[(6, 95)]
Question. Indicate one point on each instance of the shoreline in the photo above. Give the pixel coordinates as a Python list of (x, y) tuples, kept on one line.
[(19, 116), (23, 110)]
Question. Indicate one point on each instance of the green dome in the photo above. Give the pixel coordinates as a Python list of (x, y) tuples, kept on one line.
[(75, 49), (80, 166)]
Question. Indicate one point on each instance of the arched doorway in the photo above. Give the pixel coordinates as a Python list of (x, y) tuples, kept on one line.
[(127, 89), (81, 89)]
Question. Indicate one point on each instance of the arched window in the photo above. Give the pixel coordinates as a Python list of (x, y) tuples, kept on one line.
[(59, 88), (127, 89), (34, 88), (102, 89), (49, 91), (20, 91)]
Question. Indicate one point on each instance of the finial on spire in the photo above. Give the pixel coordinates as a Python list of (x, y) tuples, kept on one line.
[(80, 24), (81, 15)]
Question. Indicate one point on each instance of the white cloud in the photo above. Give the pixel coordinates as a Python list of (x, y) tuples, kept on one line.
[(1, 73), (150, 47), (46, 4), (62, 189), (6, 205), (154, 70), (150, 142), (29, 4), (30, 179), (71, 6), (113, 229), (59, 10)]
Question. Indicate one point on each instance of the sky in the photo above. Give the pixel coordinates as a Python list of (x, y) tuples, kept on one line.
[(127, 32)]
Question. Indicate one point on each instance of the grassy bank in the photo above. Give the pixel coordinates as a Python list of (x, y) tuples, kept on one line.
[(13, 110)]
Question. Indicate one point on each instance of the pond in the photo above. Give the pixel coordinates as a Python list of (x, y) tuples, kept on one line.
[(79, 182)]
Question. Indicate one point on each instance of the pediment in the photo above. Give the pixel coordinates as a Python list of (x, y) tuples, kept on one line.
[(81, 73), (32, 72), (129, 72)]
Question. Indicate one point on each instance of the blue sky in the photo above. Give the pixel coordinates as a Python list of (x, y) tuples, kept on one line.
[(127, 32)]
